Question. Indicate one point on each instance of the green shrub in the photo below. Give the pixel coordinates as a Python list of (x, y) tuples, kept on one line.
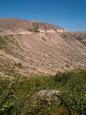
[(34, 28)]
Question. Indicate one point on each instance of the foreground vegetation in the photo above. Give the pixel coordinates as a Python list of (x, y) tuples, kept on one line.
[(18, 94)]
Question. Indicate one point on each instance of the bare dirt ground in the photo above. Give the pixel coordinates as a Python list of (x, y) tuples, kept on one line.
[(48, 51)]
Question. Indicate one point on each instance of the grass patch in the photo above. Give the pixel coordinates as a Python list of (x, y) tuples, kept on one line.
[(16, 95), (3, 42)]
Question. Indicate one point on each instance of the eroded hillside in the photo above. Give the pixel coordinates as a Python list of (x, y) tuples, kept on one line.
[(31, 47)]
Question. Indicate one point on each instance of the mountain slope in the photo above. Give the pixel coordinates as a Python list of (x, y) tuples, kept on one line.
[(32, 47)]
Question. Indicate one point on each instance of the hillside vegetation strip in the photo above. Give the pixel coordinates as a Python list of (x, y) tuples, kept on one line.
[(3, 42)]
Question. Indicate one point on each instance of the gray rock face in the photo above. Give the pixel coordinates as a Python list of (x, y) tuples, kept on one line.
[(48, 93)]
